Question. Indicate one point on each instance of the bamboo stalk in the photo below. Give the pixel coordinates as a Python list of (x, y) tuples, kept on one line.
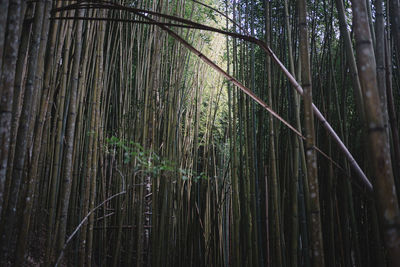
[(70, 135), (317, 247), (7, 72), (385, 192)]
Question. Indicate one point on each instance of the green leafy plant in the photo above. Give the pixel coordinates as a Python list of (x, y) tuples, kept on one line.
[(148, 161)]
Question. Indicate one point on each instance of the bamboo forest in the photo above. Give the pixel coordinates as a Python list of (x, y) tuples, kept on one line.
[(197, 133)]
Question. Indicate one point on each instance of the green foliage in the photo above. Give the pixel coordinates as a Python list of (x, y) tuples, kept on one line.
[(186, 175), (147, 161)]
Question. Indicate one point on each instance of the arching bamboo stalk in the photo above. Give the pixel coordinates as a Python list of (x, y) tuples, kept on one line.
[(263, 46)]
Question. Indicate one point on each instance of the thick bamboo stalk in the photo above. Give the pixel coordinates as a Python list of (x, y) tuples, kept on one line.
[(7, 73), (384, 189), (317, 247)]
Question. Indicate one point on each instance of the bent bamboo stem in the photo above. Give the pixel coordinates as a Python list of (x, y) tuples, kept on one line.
[(61, 253), (260, 43)]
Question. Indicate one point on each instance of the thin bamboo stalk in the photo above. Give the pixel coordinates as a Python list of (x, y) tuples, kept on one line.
[(70, 134)]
